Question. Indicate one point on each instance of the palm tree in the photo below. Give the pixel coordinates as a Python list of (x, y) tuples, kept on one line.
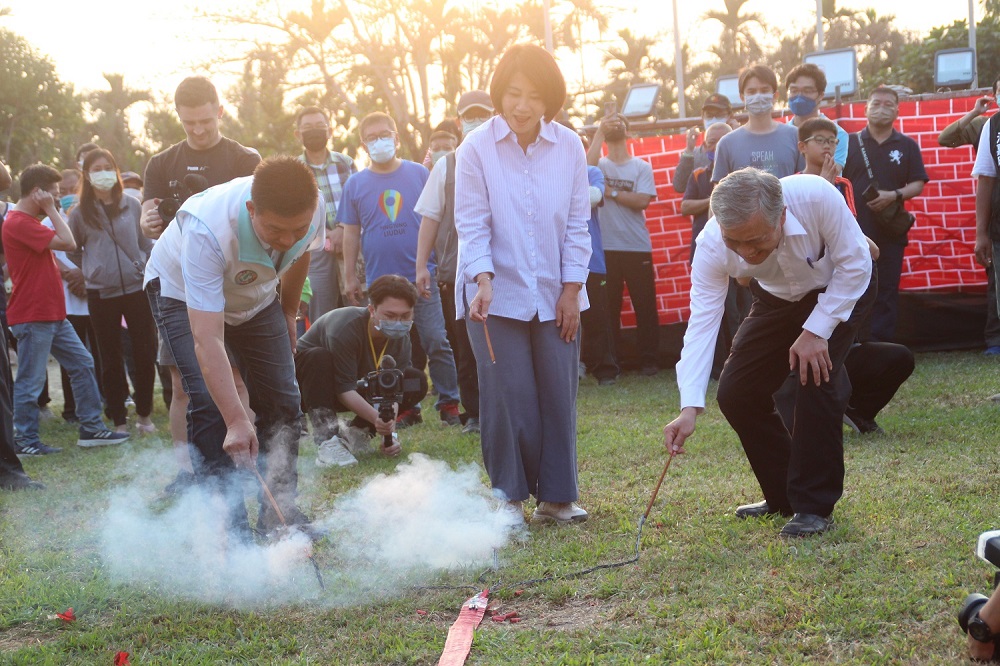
[(738, 46), (110, 125)]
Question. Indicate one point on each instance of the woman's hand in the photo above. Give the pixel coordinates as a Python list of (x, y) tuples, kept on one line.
[(479, 308), (568, 311)]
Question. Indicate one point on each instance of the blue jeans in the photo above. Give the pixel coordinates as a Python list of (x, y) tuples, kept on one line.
[(996, 274), (429, 322), (35, 341), (261, 348)]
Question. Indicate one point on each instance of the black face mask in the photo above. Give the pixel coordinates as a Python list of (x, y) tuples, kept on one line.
[(615, 135), (314, 139)]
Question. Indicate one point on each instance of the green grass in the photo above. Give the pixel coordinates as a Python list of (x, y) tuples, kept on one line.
[(880, 588)]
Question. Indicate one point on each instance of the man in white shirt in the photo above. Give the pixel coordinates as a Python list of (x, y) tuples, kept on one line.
[(224, 280), (988, 203), (813, 284)]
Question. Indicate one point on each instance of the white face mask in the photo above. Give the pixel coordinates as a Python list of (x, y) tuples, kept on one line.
[(469, 125), (709, 121), (382, 150), (760, 104), (103, 180)]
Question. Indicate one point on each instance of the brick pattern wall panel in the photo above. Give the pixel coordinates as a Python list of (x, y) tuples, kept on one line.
[(940, 253)]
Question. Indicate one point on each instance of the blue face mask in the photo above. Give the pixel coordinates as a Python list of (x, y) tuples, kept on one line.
[(382, 150), (67, 202), (801, 105), (437, 155), (710, 154), (394, 330)]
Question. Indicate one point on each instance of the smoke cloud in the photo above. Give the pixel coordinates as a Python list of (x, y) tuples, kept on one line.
[(399, 529)]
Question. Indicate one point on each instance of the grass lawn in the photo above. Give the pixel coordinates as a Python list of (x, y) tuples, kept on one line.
[(881, 588)]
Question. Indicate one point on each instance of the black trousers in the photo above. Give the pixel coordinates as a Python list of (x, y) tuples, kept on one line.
[(876, 370), (9, 463), (991, 331), (314, 370), (106, 317), (634, 270), (597, 350), (801, 471), (465, 360)]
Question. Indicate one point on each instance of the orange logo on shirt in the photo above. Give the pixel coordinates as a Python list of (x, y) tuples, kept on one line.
[(243, 278)]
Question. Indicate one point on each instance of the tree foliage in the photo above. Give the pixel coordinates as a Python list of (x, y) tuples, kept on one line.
[(38, 112)]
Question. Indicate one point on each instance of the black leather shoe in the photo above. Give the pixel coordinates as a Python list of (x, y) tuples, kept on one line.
[(758, 510), (806, 524)]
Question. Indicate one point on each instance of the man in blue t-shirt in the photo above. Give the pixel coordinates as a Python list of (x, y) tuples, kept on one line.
[(377, 211)]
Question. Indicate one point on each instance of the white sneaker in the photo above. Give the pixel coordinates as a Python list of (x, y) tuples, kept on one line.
[(333, 452), (549, 512)]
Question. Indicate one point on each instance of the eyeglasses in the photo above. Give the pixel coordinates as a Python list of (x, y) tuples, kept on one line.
[(371, 138), (306, 128), (823, 140)]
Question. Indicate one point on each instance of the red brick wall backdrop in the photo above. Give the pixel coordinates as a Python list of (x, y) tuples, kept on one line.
[(939, 256)]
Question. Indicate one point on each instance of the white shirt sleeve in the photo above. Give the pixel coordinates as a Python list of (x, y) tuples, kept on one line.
[(431, 201), (709, 285), (203, 265), (984, 165)]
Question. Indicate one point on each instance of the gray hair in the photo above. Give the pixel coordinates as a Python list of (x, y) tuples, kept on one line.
[(744, 194)]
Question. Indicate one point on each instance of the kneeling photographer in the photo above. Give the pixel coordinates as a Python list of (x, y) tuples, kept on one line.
[(357, 359), (979, 616)]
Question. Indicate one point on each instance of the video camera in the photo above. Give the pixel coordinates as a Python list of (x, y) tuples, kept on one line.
[(384, 388), (988, 550), (192, 184)]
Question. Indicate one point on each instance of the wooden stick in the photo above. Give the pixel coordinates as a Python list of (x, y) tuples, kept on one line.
[(489, 345), (270, 497)]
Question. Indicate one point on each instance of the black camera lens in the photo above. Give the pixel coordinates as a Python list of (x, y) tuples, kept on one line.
[(168, 209)]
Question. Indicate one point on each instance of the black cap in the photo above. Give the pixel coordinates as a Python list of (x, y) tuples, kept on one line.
[(717, 101)]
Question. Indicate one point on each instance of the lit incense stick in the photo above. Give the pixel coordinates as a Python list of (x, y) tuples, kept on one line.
[(489, 345)]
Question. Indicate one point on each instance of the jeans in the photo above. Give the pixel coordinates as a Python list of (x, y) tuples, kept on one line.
[(996, 276), (261, 347), (429, 322), (80, 324), (35, 341)]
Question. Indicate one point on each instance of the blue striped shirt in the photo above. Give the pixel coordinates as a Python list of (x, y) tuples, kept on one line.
[(523, 217)]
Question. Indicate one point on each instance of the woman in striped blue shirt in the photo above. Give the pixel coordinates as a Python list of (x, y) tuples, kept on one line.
[(521, 210)]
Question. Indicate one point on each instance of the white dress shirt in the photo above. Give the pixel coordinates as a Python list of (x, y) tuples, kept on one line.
[(821, 246), (523, 217)]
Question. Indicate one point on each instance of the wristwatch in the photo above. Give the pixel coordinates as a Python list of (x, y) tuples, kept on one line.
[(899, 195), (981, 631), (614, 194)]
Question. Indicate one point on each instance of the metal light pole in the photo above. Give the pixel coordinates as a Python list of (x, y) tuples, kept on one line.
[(972, 43), (679, 65), (819, 24)]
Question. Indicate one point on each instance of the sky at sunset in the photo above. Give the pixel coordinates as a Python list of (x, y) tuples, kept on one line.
[(155, 43)]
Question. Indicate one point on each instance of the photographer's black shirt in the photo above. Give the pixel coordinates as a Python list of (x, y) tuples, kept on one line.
[(896, 162), (344, 333), (219, 164)]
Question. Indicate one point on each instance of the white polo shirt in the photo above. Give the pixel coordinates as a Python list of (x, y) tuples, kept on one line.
[(210, 258)]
